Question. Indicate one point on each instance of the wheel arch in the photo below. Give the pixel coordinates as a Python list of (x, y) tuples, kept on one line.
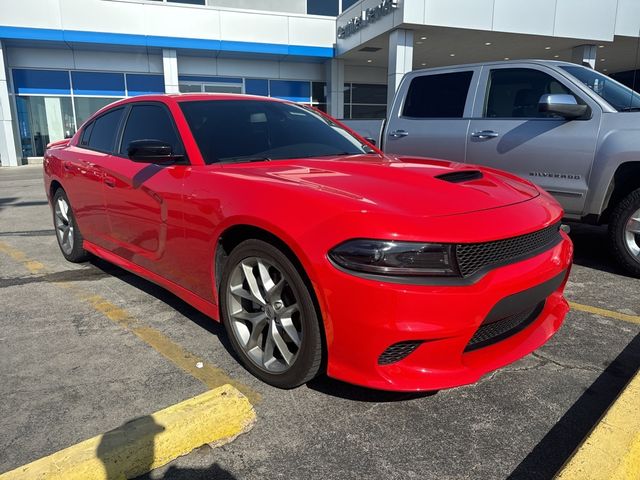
[(233, 235), (625, 180), (53, 188)]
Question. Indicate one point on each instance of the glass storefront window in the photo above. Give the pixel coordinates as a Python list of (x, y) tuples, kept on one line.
[(87, 106), (43, 120), (365, 101)]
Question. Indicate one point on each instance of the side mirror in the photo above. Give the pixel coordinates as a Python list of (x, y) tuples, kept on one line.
[(151, 151), (372, 141), (562, 104)]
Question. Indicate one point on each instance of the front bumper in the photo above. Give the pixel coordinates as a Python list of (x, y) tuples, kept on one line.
[(365, 317)]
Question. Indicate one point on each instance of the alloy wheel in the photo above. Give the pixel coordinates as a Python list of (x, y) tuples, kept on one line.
[(264, 314), (632, 234), (64, 225)]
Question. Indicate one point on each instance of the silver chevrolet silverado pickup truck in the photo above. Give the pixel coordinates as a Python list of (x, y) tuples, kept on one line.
[(568, 128)]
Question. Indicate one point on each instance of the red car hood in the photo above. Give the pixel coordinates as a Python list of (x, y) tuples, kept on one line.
[(398, 184)]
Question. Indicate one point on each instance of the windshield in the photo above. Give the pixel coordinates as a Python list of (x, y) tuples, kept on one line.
[(254, 130), (615, 94)]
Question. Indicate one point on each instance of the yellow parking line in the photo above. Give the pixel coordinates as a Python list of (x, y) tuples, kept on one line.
[(31, 265), (612, 449), (605, 313), (211, 376), (215, 417)]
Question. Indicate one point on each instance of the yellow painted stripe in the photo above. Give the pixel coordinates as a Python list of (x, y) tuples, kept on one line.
[(606, 313), (211, 376), (612, 449), (31, 265), (215, 417)]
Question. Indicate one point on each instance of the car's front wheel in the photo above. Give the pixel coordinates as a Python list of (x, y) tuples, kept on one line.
[(624, 232), (269, 315), (67, 232)]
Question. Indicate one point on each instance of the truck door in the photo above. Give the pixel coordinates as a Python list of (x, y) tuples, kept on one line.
[(430, 116), (508, 132)]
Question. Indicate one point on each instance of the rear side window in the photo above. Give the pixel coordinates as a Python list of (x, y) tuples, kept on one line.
[(515, 93), (86, 135), (150, 122), (104, 131), (438, 96)]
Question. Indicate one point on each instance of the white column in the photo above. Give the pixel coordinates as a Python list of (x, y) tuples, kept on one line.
[(8, 143), (584, 55), (400, 61), (170, 67), (335, 87)]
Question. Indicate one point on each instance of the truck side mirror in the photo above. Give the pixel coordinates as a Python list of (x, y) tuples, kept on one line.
[(562, 104)]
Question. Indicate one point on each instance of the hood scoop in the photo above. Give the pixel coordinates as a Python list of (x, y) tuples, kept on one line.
[(460, 176)]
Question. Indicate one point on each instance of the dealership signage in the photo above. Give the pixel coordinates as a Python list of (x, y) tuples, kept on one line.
[(368, 16)]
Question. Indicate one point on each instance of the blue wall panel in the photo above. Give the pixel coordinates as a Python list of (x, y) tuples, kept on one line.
[(102, 84), (138, 84), (48, 82)]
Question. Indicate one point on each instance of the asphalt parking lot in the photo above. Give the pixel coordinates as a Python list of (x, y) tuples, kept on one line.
[(86, 348)]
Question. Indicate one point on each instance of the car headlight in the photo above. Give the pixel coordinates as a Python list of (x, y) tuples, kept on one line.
[(395, 258)]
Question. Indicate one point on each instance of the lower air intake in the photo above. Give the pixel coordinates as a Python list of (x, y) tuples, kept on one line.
[(490, 333), (398, 351)]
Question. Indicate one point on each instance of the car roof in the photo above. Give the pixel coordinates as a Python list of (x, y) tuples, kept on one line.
[(549, 63), (187, 97)]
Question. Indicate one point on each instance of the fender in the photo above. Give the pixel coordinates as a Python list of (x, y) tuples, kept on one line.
[(618, 146)]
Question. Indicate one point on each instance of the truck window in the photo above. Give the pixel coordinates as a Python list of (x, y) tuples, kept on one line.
[(515, 93), (438, 96)]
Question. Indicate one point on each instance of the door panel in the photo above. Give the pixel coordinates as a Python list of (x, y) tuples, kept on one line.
[(144, 211), (509, 133), (144, 200), (83, 170), (432, 121)]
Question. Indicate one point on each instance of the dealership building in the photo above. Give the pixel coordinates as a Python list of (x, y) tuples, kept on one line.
[(61, 60)]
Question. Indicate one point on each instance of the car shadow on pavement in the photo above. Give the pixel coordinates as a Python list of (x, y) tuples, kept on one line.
[(337, 388), (591, 248), (167, 297), (323, 384), (129, 452), (567, 434)]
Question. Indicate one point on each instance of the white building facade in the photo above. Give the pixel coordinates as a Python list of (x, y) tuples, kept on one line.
[(60, 60)]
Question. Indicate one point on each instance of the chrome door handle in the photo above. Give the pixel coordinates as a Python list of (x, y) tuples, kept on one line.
[(398, 133), (485, 134)]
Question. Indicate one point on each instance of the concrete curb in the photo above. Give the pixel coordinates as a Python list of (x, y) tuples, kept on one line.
[(215, 417), (612, 449)]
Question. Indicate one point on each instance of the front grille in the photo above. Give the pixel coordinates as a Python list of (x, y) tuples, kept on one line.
[(398, 351), (493, 332), (474, 257)]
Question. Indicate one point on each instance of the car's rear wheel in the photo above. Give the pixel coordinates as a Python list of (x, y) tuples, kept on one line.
[(624, 233), (269, 315), (67, 231)]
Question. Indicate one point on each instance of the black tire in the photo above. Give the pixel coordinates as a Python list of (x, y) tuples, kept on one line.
[(75, 252), (617, 234), (308, 360)]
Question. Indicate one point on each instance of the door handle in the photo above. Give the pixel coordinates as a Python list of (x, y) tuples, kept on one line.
[(398, 133), (485, 134), (110, 182)]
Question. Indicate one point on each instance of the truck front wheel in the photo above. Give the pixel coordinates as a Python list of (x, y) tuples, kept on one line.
[(624, 233)]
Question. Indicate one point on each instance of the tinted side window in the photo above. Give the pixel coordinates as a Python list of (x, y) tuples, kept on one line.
[(86, 134), (515, 93), (438, 96), (104, 131), (150, 122)]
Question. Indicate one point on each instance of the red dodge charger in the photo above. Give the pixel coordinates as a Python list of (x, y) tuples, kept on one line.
[(317, 251)]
